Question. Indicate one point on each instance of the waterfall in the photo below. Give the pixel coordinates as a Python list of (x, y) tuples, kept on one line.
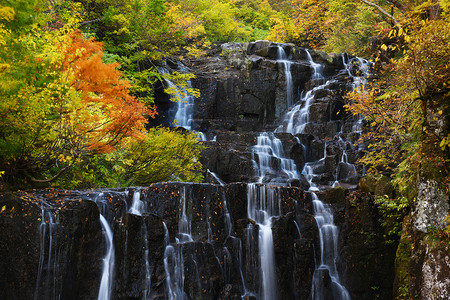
[(137, 206), (298, 116), (48, 244), (328, 234), (185, 101), (106, 281), (263, 204), (268, 149), (148, 277), (173, 254), (283, 60), (317, 68), (185, 104)]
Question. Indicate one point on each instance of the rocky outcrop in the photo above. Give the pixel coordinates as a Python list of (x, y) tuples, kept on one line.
[(367, 261)]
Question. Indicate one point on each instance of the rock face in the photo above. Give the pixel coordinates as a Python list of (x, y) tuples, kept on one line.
[(243, 92), (64, 258)]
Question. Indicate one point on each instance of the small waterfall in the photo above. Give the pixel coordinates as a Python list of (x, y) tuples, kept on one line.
[(263, 204), (148, 276), (317, 68), (184, 222), (48, 244), (328, 234), (236, 242), (283, 60), (297, 118), (216, 178), (359, 70), (345, 169), (106, 282), (137, 206), (185, 101), (268, 149), (185, 104), (173, 254), (174, 268)]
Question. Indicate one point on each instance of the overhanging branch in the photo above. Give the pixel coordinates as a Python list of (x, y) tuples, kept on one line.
[(49, 179)]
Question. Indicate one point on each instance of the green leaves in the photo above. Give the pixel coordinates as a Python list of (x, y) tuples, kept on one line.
[(165, 155)]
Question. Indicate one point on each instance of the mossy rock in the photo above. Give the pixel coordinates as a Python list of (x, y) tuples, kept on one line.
[(384, 187), (368, 184)]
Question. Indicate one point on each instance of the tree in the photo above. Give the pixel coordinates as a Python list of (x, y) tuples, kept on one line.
[(405, 108), (60, 102)]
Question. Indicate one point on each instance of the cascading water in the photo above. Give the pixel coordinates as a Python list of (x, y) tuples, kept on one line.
[(173, 254), (317, 74), (137, 206), (106, 282), (242, 250), (174, 268), (268, 149), (298, 116), (185, 104), (264, 204), (328, 234), (104, 292), (283, 59), (185, 101), (48, 245)]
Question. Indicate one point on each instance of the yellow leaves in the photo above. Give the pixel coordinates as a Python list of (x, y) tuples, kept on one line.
[(384, 47), (3, 209), (445, 142), (64, 159), (4, 66), (80, 51), (7, 13)]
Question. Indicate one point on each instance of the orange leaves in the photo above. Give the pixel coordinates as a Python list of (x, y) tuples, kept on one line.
[(107, 113)]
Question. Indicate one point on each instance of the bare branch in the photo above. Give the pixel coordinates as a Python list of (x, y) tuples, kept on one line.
[(382, 11), (49, 179)]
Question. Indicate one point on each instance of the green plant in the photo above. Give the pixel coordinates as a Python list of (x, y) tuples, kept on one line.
[(392, 212)]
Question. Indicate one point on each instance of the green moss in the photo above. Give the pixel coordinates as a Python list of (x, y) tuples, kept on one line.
[(403, 255)]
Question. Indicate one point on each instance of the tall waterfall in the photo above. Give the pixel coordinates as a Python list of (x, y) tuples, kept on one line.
[(106, 282), (264, 204)]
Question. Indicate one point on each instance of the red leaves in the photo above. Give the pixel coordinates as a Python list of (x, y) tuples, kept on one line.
[(108, 113)]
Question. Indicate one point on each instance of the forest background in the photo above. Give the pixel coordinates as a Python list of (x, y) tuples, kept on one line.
[(77, 82)]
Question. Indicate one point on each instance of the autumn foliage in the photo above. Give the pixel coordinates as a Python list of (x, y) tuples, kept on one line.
[(108, 113)]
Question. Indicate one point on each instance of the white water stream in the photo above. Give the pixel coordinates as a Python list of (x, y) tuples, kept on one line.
[(105, 290), (263, 204)]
